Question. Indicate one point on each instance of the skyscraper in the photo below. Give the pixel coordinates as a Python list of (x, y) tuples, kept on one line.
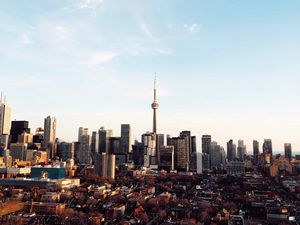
[(206, 141), (231, 150), (199, 162), (288, 151), (105, 165), (5, 123), (95, 143), (267, 147), (138, 154), (160, 140), (193, 155), (50, 134), (194, 144), (181, 153), (255, 151), (217, 155), (82, 131), (114, 145), (18, 128), (65, 151), (18, 151), (84, 151), (104, 136), (154, 106), (125, 138), (187, 134), (166, 158), (149, 142), (241, 150)]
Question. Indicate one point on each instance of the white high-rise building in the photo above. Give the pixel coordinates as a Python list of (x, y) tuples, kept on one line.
[(5, 123), (199, 162), (50, 134)]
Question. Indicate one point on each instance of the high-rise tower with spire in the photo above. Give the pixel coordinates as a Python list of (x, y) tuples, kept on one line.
[(154, 106)]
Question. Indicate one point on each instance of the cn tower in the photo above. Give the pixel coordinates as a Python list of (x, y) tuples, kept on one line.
[(154, 106)]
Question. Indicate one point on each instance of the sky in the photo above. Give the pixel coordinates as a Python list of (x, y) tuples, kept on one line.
[(228, 68)]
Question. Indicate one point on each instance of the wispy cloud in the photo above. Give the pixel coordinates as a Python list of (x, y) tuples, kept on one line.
[(61, 33), (192, 28), (89, 4), (145, 30), (25, 39), (164, 51), (102, 57)]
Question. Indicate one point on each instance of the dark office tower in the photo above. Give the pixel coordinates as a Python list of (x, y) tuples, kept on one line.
[(241, 150), (65, 151), (206, 141), (231, 151), (217, 155), (166, 156), (104, 136), (18, 128), (38, 139), (154, 106), (125, 138), (255, 151), (288, 151), (193, 155), (95, 143), (267, 146), (205, 161), (181, 153), (114, 145), (169, 138), (138, 154), (115, 148), (76, 151), (194, 143), (161, 140)]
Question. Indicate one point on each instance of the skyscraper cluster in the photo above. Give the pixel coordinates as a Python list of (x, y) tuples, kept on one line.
[(107, 152)]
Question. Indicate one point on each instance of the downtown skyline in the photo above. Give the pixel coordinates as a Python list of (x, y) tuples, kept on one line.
[(228, 70)]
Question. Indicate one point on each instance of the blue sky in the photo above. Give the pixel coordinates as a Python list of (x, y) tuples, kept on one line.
[(226, 68)]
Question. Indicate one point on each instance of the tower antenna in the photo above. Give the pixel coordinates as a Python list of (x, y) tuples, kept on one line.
[(154, 107)]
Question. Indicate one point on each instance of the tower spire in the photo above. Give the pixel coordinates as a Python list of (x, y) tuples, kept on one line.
[(154, 106), (155, 87)]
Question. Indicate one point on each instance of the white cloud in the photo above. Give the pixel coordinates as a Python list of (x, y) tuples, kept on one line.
[(61, 33), (164, 51), (145, 29), (102, 57), (89, 4), (193, 28), (25, 39)]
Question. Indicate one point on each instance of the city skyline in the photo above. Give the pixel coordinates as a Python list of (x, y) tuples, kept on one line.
[(226, 69)]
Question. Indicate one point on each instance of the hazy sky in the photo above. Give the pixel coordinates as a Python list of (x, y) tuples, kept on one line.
[(228, 68)]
